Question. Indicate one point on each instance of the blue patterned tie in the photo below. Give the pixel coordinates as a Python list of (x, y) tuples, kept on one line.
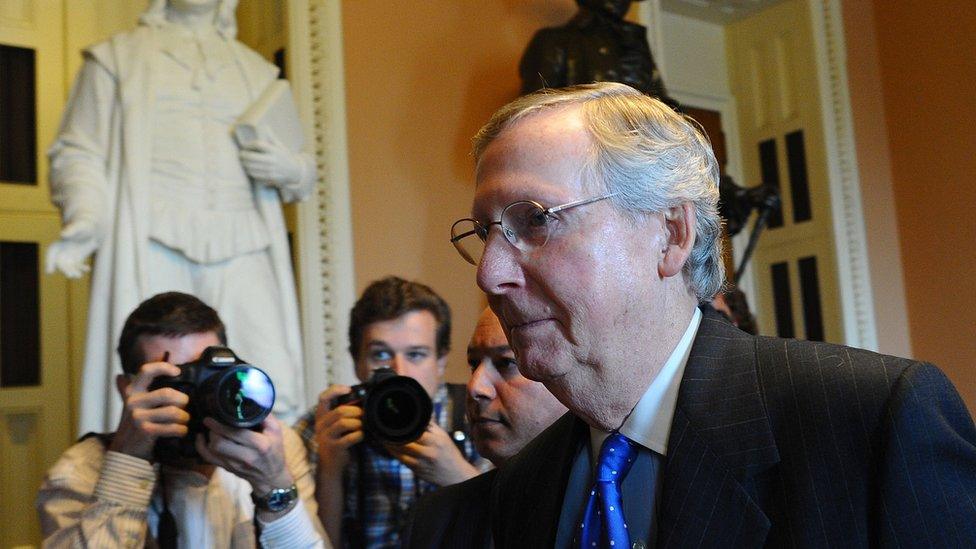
[(603, 521)]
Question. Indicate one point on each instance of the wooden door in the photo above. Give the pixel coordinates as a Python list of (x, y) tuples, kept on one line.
[(35, 368), (773, 77)]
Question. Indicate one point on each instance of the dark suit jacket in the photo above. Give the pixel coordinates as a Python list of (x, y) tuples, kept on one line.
[(782, 443), (454, 516)]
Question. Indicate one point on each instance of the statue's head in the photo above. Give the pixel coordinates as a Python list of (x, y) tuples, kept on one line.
[(224, 20), (614, 8)]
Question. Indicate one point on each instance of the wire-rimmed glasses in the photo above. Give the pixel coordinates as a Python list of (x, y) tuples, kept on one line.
[(526, 224)]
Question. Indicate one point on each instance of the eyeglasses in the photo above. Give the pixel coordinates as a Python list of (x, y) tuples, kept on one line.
[(526, 225)]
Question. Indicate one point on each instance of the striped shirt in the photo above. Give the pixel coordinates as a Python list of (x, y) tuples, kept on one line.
[(97, 498)]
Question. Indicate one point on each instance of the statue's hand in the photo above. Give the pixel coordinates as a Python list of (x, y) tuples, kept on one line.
[(270, 162), (69, 254)]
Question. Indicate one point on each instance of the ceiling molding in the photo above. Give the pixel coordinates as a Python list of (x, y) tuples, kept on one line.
[(716, 11)]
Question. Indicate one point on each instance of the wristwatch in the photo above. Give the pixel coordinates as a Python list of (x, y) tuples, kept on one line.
[(276, 500)]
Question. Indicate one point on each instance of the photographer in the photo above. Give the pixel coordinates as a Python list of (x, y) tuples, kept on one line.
[(110, 490), (366, 488)]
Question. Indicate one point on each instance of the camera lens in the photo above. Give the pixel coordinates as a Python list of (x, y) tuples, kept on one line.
[(397, 410), (244, 396)]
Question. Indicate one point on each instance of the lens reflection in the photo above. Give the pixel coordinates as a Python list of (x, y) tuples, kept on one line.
[(247, 393)]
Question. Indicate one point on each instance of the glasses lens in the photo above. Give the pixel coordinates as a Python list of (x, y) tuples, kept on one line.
[(526, 225), (467, 240)]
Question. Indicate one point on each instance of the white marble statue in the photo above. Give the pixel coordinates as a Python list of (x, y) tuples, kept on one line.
[(148, 176)]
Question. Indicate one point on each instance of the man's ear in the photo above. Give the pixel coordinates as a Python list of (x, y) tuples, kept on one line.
[(441, 366), (121, 384), (679, 227)]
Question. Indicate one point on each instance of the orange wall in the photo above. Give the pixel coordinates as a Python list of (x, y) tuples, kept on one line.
[(928, 80), (421, 78), (874, 169)]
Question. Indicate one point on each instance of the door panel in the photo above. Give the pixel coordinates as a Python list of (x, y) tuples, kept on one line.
[(35, 370), (35, 411), (773, 76)]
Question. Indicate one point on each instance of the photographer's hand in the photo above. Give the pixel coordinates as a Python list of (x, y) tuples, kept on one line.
[(149, 415), (434, 457), (336, 430), (256, 456)]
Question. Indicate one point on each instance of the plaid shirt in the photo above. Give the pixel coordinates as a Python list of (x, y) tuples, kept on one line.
[(379, 490)]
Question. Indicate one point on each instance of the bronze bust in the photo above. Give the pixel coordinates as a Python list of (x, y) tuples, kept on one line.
[(596, 45)]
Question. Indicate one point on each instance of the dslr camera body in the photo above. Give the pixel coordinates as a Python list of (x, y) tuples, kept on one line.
[(396, 409), (222, 386)]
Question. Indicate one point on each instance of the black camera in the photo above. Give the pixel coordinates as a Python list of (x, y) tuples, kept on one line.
[(396, 409), (222, 386)]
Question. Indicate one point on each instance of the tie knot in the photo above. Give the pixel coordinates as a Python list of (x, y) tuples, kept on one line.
[(616, 456)]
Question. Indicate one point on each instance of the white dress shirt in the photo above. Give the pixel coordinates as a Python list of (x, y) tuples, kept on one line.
[(649, 424)]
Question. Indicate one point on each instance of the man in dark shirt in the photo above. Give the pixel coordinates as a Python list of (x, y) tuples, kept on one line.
[(506, 411)]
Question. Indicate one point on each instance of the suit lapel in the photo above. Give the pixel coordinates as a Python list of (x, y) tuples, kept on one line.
[(527, 497), (720, 439)]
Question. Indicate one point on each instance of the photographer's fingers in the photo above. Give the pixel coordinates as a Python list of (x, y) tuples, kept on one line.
[(147, 417), (162, 415), (429, 440), (326, 397), (257, 457), (242, 437), (165, 396), (419, 449), (339, 429), (324, 421), (203, 448), (350, 438), (271, 427), (410, 461), (217, 449), (148, 372)]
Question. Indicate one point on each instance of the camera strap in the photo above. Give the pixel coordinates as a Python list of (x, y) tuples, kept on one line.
[(167, 532)]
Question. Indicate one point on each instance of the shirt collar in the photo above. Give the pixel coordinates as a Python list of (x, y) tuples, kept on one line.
[(649, 424), (203, 48)]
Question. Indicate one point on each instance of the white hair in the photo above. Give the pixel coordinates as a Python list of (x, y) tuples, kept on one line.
[(225, 21), (650, 156)]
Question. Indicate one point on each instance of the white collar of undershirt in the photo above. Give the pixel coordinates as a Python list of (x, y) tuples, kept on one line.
[(649, 424)]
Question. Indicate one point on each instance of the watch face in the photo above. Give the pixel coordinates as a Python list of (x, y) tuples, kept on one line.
[(278, 499)]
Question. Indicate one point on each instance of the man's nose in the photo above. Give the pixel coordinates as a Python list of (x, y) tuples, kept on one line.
[(480, 385), (398, 364), (499, 270)]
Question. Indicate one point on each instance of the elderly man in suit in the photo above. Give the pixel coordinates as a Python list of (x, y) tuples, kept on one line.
[(595, 235)]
